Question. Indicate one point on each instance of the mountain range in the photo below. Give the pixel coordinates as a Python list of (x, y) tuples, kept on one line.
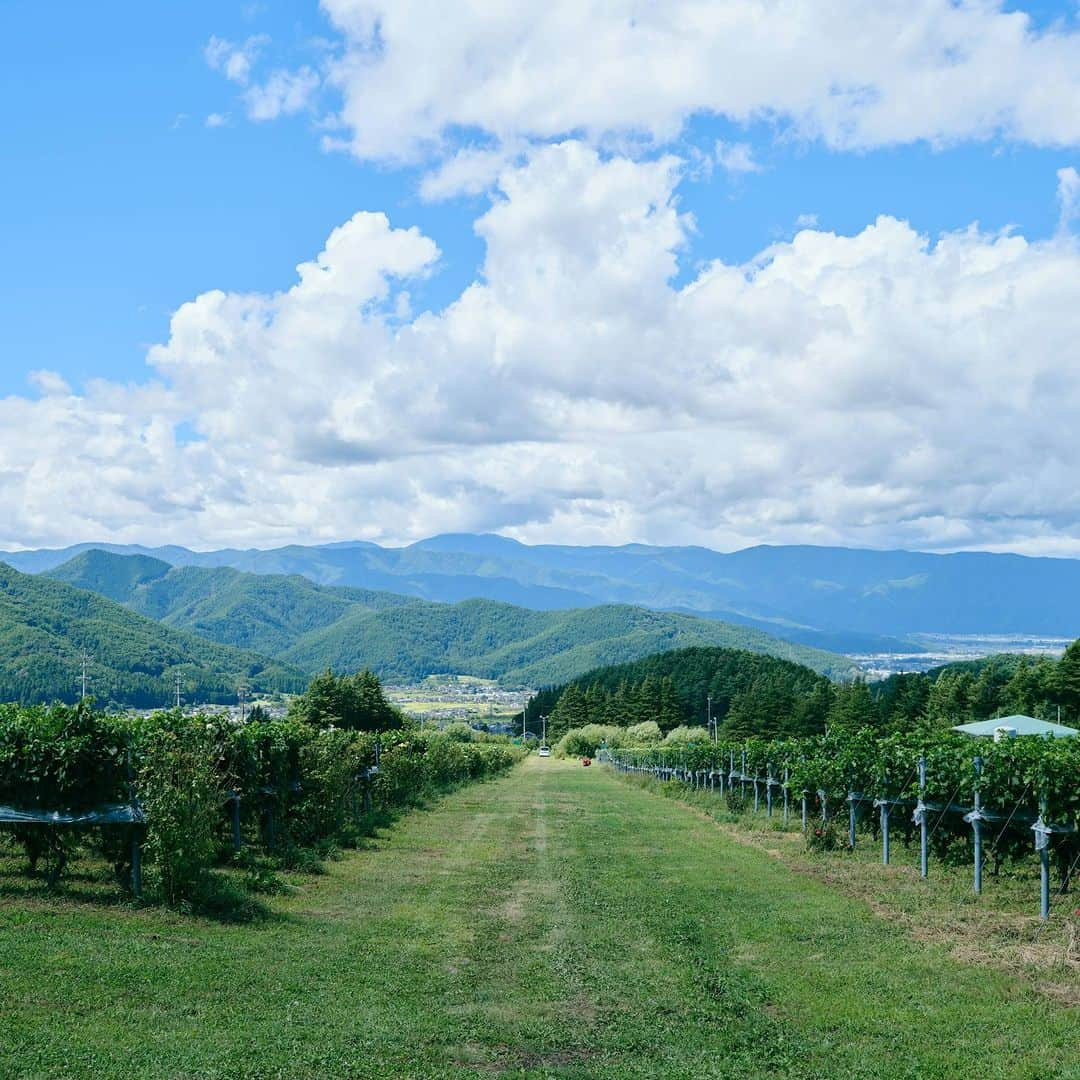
[(841, 599), (309, 627)]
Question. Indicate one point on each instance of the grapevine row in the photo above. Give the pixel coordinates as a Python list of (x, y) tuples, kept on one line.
[(1023, 792), (181, 794)]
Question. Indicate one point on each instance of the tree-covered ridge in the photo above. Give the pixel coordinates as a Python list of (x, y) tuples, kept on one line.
[(315, 627), (47, 626), (750, 693), (518, 646), (755, 695), (266, 613), (112, 576)]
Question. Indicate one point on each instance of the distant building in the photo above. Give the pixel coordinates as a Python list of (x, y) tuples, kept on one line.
[(1008, 727)]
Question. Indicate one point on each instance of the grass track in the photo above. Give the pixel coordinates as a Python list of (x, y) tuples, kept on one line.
[(554, 923)]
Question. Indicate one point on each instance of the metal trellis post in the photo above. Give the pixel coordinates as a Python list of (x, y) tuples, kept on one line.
[(1042, 846), (976, 823), (237, 838), (920, 813)]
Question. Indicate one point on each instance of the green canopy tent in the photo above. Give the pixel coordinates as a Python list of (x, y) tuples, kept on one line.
[(1016, 725)]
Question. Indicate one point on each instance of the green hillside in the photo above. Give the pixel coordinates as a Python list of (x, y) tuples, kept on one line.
[(265, 613), (520, 647), (313, 627), (110, 575), (46, 626)]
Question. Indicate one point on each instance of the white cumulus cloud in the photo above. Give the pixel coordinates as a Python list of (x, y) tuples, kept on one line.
[(881, 387), (413, 73)]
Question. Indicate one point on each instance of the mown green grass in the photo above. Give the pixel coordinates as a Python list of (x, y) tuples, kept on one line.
[(555, 923), (1001, 928)]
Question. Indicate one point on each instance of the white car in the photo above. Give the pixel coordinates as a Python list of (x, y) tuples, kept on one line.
[(544, 751)]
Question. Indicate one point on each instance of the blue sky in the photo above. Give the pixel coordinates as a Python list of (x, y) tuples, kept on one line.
[(694, 272), (119, 203)]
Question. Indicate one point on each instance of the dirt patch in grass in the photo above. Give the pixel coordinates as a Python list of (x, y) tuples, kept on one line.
[(501, 1060)]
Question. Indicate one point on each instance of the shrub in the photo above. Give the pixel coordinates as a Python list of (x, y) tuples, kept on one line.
[(181, 796), (823, 836), (735, 800), (585, 741), (683, 736), (644, 734), (460, 731)]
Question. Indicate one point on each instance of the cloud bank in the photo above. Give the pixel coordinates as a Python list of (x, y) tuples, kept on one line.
[(880, 388), (417, 78)]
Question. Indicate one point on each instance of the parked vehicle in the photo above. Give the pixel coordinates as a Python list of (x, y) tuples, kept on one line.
[(544, 751)]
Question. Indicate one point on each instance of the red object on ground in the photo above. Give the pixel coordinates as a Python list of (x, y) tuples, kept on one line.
[(586, 761)]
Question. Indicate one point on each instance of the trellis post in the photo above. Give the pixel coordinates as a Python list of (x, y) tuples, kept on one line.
[(1042, 846), (976, 824), (136, 826), (237, 837), (885, 808), (768, 788), (920, 816), (786, 795), (136, 861)]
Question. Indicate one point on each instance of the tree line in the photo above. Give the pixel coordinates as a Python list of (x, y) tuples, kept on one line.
[(747, 694)]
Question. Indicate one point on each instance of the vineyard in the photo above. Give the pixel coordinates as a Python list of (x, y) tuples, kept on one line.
[(989, 803), (172, 797)]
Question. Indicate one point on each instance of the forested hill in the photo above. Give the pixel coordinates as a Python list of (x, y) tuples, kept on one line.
[(762, 695), (47, 626), (314, 627), (268, 613), (750, 693)]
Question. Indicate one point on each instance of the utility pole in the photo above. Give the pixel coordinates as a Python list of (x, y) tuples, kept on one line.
[(242, 693), (543, 738), (178, 691), (84, 679), (712, 727), (524, 713)]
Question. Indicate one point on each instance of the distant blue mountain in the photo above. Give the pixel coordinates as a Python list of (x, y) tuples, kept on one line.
[(826, 596)]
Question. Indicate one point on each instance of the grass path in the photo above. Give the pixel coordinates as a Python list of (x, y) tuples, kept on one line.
[(554, 923)]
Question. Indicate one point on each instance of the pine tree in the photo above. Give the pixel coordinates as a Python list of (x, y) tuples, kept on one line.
[(852, 708), (951, 700), (811, 709), (1065, 685), (669, 715)]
